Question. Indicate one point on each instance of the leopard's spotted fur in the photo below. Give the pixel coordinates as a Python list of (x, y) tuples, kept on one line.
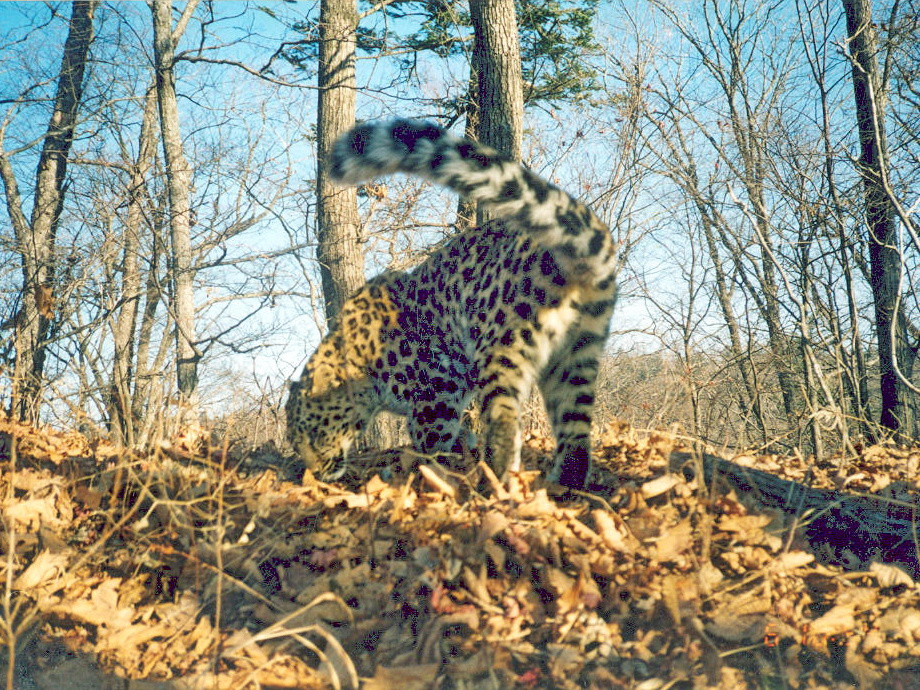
[(526, 298)]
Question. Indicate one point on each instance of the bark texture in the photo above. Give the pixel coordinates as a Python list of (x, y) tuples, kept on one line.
[(870, 94), (497, 56), (497, 62), (121, 407), (178, 186), (339, 249), (36, 238)]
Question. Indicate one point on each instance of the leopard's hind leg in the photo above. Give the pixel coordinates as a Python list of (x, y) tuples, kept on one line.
[(568, 386), (505, 382)]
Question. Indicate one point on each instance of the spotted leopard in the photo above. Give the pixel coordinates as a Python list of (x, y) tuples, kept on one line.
[(526, 298)]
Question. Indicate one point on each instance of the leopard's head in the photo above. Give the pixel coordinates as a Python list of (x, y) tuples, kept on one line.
[(323, 428)]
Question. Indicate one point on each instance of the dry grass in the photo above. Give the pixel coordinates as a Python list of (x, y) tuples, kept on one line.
[(213, 566)]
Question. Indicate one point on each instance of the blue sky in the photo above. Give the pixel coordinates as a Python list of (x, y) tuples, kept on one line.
[(236, 124)]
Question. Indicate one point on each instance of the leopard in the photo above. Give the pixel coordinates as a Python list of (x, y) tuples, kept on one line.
[(524, 299)]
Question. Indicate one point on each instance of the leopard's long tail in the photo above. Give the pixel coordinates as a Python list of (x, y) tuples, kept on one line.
[(580, 241)]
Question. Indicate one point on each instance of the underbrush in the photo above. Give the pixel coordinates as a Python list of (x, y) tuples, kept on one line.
[(214, 566)]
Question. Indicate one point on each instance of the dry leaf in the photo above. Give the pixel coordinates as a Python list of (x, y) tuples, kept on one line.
[(434, 480), (661, 485), (743, 523), (564, 660), (675, 541), (736, 628), (867, 675), (791, 560), (48, 504), (404, 678), (492, 523), (46, 570), (100, 607), (709, 577), (840, 619), (132, 636), (613, 531), (903, 622), (498, 589), (540, 505), (889, 575)]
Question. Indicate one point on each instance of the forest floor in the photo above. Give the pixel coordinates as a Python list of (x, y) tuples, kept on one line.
[(216, 567)]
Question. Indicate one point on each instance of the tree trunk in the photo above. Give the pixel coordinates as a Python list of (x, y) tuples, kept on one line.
[(870, 94), (122, 422), (36, 238), (338, 230), (149, 366), (497, 60), (748, 394), (466, 209), (178, 185)]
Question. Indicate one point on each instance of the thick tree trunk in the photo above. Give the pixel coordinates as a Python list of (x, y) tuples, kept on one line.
[(37, 237), (339, 250), (869, 91), (339, 247), (498, 63), (497, 60), (178, 185)]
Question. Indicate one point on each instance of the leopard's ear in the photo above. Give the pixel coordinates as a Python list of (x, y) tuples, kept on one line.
[(325, 372), (302, 385)]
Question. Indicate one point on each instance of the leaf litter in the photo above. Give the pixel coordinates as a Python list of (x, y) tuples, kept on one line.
[(197, 567)]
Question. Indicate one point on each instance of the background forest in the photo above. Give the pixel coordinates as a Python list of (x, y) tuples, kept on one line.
[(167, 232)]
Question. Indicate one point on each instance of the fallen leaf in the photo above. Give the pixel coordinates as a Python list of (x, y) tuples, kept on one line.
[(840, 619), (613, 531), (661, 485), (405, 678), (889, 575), (45, 570), (791, 560), (675, 541)]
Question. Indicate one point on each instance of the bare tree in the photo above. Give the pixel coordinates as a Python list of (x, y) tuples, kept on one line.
[(124, 328), (680, 164), (738, 228), (36, 238), (122, 405), (741, 162), (870, 90), (179, 183), (112, 341), (817, 23), (338, 228)]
